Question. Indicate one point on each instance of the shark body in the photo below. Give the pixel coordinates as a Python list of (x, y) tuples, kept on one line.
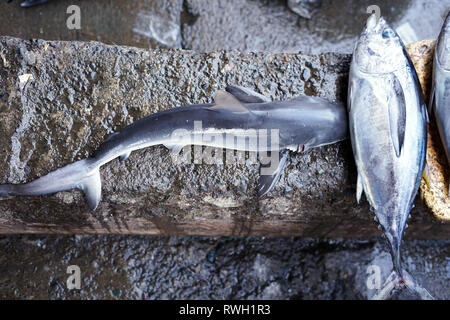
[(301, 123)]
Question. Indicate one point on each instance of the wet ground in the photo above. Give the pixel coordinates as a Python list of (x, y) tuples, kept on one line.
[(251, 25), (124, 267), (130, 267)]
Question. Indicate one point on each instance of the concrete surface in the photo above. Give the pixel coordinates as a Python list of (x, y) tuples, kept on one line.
[(202, 25), (79, 93), (135, 23), (124, 267)]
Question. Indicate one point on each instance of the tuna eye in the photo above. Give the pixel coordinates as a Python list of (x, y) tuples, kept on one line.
[(388, 33)]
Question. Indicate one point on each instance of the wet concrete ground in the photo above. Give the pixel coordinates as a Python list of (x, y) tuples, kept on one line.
[(250, 25), (122, 267)]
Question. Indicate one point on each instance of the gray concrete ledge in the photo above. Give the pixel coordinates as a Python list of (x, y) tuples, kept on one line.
[(80, 92)]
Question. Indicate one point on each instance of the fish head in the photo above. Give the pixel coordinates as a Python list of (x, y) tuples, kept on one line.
[(379, 49), (443, 44)]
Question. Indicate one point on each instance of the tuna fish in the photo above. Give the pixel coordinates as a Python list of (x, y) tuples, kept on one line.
[(440, 95), (387, 118)]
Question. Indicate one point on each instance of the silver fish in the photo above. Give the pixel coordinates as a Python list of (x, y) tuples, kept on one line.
[(387, 117), (440, 94), (303, 123)]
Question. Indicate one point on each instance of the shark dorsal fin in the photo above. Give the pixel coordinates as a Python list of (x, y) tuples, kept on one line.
[(226, 101), (246, 95)]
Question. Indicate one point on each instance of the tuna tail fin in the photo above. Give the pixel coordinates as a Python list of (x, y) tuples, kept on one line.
[(396, 282), (415, 287), (81, 174)]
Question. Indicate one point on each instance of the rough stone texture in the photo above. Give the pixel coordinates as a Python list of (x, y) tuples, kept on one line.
[(136, 267), (79, 93)]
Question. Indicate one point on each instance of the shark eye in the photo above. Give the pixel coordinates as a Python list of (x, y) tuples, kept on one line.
[(388, 33)]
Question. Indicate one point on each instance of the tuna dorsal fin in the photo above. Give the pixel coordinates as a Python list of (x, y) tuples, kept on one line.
[(397, 115), (92, 187), (225, 100), (267, 180), (359, 188), (246, 95)]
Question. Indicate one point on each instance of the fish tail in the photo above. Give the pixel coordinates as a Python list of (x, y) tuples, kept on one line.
[(386, 291), (395, 244), (414, 287), (83, 174), (395, 281)]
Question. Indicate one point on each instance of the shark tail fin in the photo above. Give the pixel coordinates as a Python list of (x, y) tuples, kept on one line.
[(80, 174), (395, 281), (92, 188)]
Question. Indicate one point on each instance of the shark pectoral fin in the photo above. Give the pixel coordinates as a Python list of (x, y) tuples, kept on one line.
[(124, 156), (246, 95), (174, 149), (92, 188), (269, 175), (359, 188), (397, 116), (226, 101)]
